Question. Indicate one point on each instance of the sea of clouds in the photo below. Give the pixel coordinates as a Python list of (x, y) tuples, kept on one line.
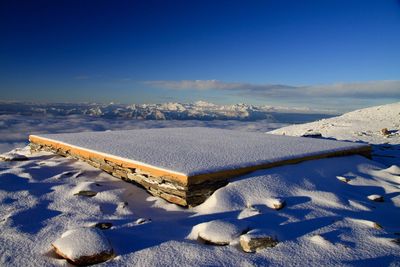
[(17, 122)]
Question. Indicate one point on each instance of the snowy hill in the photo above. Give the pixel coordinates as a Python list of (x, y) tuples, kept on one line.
[(379, 126), (330, 212)]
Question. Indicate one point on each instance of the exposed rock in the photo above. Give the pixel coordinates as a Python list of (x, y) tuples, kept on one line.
[(87, 189), (377, 226), (106, 168), (220, 232), (385, 132), (86, 193), (142, 221), (84, 246), (257, 239), (312, 135), (13, 156), (376, 198), (103, 225), (276, 203), (396, 241), (343, 179), (163, 187), (123, 205)]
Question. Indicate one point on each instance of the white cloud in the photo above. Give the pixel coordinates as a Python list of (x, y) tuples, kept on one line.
[(215, 85), (16, 128), (366, 89), (385, 88)]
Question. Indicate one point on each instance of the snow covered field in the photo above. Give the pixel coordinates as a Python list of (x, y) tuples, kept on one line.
[(336, 212), (379, 126)]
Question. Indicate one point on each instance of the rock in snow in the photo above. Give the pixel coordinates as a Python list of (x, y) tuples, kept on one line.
[(220, 232), (276, 203), (376, 198), (385, 131), (103, 225), (13, 155), (257, 239), (86, 193), (378, 126), (84, 246), (343, 179), (87, 189), (312, 135)]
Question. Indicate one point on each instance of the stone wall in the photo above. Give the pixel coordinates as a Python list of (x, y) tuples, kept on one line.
[(168, 189)]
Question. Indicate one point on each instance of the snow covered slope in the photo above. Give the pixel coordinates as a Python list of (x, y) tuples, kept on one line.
[(365, 125), (339, 212), (326, 222)]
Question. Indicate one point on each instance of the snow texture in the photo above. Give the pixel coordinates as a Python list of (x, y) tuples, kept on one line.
[(14, 154), (77, 243), (37, 204), (325, 222), (199, 150), (220, 232), (363, 125)]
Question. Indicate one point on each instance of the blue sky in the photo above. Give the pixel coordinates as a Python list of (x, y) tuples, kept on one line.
[(339, 54)]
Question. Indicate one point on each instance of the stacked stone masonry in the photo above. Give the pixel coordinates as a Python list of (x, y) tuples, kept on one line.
[(168, 189)]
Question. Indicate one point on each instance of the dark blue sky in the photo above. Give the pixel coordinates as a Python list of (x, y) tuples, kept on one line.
[(220, 51)]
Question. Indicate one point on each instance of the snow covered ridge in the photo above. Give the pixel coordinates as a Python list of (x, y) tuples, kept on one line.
[(168, 111), (379, 126)]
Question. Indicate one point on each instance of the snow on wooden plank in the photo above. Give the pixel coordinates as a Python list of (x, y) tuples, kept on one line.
[(184, 159)]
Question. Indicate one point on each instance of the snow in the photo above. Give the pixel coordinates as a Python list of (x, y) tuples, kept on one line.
[(257, 233), (325, 222), (275, 203), (86, 187), (375, 197), (81, 242), (394, 169), (198, 150), (14, 154), (219, 231), (364, 125), (38, 205)]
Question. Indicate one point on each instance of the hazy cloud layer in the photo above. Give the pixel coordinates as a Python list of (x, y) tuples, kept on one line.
[(387, 88), (15, 128), (216, 85)]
